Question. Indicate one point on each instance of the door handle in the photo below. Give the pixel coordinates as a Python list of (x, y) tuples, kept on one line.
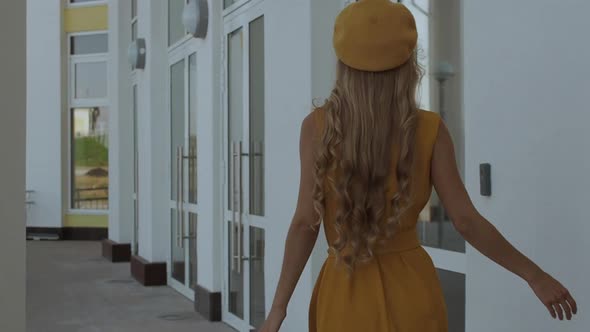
[(178, 195), (181, 201), (240, 207), (232, 181)]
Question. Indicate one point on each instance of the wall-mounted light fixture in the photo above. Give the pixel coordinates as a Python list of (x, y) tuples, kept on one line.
[(195, 17), (136, 53)]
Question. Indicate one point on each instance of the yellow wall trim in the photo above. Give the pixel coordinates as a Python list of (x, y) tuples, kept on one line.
[(86, 220), (86, 19)]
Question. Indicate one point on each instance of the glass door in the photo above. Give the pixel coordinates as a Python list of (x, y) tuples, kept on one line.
[(244, 208), (183, 170)]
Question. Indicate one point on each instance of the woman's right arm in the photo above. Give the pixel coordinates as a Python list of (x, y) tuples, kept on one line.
[(483, 236)]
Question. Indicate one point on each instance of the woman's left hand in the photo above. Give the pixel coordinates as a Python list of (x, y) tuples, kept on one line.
[(274, 320), (554, 296)]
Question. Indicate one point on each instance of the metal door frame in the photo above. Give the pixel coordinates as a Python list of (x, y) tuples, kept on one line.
[(235, 19), (179, 53)]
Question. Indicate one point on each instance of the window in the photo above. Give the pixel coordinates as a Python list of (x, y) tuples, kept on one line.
[(82, 1), (88, 118), (89, 158), (176, 30), (257, 139), (88, 68), (86, 2), (89, 44), (90, 80), (133, 8), (440, 91), (228, 3)]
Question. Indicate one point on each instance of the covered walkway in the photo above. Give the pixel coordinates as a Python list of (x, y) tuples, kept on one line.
[(71, 288)]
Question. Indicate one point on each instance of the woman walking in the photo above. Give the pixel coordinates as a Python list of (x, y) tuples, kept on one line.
[(369, 160)]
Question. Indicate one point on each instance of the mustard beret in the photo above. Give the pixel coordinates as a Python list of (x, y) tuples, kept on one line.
[(375, 35)]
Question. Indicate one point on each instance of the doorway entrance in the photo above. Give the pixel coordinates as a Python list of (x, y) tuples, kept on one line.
[(184, 211), (243, 213)]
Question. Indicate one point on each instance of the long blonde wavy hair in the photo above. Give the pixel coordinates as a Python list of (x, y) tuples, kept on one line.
[(365, 114)]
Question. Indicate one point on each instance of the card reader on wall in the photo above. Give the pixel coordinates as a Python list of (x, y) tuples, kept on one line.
[(485, 179)]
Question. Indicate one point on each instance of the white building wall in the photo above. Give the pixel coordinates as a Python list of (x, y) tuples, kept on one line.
[(289, 98), (526, 112), (46, 113)]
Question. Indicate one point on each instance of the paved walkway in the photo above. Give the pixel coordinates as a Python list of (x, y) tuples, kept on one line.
[(71, 288)]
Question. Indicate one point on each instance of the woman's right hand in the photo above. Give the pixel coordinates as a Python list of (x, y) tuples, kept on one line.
[(274, 320), (553, 295)]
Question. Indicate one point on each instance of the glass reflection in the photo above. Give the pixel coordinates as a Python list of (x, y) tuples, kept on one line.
[(176, 122), (90, 80), (175, 28), (192, 129), (235, 102), (227, 3), (257, 304), (89, 44), (133, 8), (236, 277), (453, 286), (438, 23), (192, 250), (178, 257), (90, 158), (257, 117), (435, 229)]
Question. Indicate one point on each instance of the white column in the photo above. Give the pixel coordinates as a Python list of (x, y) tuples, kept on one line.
[(46, 114), (154, 134), (12, 177), (120, 125), (209, 231)]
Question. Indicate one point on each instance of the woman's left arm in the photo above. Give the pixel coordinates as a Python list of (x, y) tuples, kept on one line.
[(484, 237), (301, 237)]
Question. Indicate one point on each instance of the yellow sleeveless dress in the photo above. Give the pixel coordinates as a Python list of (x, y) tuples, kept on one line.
[(398, 290)]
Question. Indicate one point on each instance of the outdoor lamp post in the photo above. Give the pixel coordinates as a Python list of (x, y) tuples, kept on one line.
[(444, 71)]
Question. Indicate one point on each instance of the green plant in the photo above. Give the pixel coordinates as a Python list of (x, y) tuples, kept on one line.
[(90, 152)]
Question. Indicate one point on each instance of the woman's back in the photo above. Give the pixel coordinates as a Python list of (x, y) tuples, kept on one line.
[(397, 289), (426, 133)]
